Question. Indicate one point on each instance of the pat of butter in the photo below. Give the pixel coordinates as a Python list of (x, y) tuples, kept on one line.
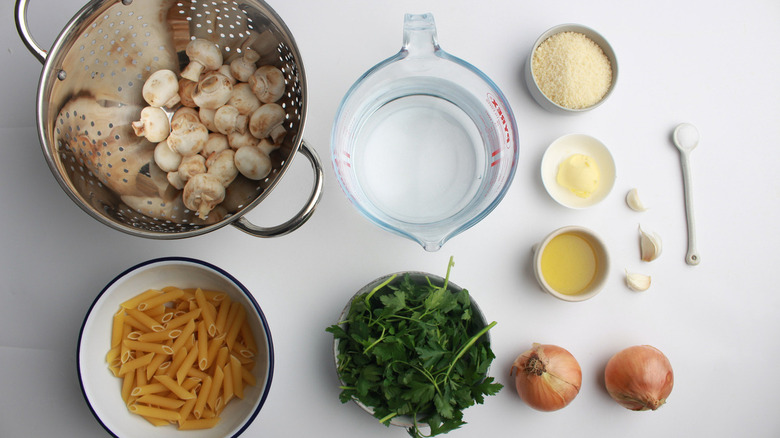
[(580, 174)]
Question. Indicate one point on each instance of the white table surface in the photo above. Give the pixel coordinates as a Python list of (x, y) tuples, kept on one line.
[(715, 64)]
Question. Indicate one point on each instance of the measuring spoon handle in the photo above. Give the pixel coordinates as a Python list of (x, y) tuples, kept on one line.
[(692, 257)]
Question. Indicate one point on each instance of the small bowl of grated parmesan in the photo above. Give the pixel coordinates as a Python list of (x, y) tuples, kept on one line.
[(571, 69)]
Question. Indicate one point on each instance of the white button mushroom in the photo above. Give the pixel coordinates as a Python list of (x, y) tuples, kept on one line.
[(237, 140), (252, 162), (175, 180), (190, 166), (242, 68), (185, 112), (187, 137), (244, 99), (204, 56), (267, 147), (166, 158), (222, 165), (224, 70), (267, 83), (216, 143), (186, 87), (202, 193), (206, 116), (213, 91), (267, 121), (154, 124), (161, 89), (227, 119)]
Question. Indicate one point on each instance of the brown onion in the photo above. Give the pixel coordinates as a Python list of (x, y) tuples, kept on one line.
[(639, 378), (547, 377)]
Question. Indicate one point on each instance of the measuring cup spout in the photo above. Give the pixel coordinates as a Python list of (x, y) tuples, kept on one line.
[(420, 35)]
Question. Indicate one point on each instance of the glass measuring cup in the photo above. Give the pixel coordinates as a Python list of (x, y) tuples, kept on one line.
[(424, 144)]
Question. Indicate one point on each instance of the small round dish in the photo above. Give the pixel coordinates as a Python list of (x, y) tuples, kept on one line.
[(102, 390), (478, 323), (566, 146), (533, 85), (600, 253)]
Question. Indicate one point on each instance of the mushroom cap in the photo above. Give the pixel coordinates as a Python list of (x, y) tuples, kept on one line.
[(213, 91), (267, 83), (264, 119), (204, 56), (186, 87), (237, 140), (153, 125), (191, 165), (206, 116), (222, 165), (161, 89), (184, 114), (243, 67), (202, 193), (216, 143), (252, 162), (166, 158), (188, 138), (227, 119), (244, 99)]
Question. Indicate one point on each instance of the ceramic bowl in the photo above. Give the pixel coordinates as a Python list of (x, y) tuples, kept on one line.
[(102, 390), (564, 147), (419, 278), (533, 85), (602, 263)]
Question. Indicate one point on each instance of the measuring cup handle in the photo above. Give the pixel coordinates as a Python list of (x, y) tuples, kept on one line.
[(303, 215), (20, 14)]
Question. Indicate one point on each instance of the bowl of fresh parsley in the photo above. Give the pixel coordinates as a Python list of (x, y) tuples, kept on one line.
[(413, 350)]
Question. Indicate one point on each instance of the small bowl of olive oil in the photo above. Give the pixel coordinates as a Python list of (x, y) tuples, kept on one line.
[(571, 263)]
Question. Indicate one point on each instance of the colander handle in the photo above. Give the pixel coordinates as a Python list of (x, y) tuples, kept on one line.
[(303, 215), (20, 14)]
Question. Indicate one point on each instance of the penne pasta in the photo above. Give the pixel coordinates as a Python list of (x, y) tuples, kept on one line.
[(235, 326), (208, 312), (182, 355), (150, 388), (149, 411), (183, 319), (160, 401), (203, 345), (186, 364), (203, 423), (238, 382), (174, 387), (133, 364), (205, 390), (149, 347), (146, 320), (160, 299), (132, 303)]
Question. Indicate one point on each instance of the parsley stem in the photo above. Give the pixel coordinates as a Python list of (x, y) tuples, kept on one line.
[(373, 291), (467, 346), (388, 417), (381, 338)]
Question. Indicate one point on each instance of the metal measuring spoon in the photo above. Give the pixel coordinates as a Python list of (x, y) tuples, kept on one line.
[(686, 138)]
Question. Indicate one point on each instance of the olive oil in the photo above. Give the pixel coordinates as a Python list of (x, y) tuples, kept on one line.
[(569, 263)]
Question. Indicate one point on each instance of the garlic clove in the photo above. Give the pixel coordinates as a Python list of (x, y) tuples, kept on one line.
[(637, 282), (633, 201), (649, 245)]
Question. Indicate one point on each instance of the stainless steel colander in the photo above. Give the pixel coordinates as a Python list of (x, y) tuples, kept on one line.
[(90, 92)]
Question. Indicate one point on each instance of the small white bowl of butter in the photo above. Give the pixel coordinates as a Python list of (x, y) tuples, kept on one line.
[(578, 171)]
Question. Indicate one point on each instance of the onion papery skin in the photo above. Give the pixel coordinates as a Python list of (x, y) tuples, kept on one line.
[(639, 378), (547, 377)]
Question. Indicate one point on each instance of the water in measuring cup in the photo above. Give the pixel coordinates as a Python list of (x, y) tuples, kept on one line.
[(419, 159)]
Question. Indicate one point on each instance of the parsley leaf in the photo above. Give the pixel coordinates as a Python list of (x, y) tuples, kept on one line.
[(414, 347)]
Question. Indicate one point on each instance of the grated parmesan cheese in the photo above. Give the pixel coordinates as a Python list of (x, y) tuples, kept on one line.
[(572, 70)]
